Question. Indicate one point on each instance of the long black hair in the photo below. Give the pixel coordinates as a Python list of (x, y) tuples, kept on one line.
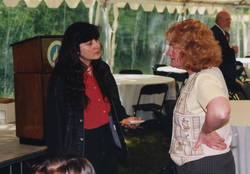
[(71, 68)]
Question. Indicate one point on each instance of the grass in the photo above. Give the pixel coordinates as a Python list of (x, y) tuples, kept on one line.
[(147, 154)]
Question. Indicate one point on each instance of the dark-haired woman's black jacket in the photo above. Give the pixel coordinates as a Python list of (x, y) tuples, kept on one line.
[(64, 126)]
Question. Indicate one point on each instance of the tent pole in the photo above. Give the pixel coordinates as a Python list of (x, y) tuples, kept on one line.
[(238, 31), (113, 45), (244, 30), (185, 13), (107, 25), (91, 11), (64, 16), (97, 13), (248, 35)]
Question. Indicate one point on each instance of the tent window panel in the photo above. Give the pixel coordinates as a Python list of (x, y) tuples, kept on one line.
[(103, 36), (206, 18), (20, 23), (139, 38)]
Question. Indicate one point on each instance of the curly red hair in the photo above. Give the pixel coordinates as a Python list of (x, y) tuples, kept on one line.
[(198, 47)]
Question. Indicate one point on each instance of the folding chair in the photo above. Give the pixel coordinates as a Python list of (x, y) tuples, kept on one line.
[(150, 90), (130, 71), (180, 79), (240, 72), (165, 122), (157, 66)]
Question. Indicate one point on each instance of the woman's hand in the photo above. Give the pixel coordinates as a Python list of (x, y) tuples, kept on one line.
[(218, 113), (212, 140), (131, 126)]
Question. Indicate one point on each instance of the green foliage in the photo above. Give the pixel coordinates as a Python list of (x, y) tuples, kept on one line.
[(139, 40), (20, 23)]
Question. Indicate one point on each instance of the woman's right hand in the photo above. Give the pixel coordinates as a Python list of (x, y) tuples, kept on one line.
[(212, 140), (134, 126)]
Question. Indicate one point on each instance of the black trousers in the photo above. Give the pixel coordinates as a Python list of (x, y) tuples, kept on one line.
[(218, 164), (100, 150)]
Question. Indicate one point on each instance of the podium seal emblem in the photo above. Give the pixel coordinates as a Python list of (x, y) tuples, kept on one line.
[(53, 51)]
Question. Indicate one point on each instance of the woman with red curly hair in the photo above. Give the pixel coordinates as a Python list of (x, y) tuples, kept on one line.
[(201, 131)]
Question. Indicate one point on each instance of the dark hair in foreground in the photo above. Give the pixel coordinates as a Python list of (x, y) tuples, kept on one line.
[(71, 68), (63, 163), (198, 47)]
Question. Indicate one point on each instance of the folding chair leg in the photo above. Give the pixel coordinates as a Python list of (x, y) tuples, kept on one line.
[(161, 172)]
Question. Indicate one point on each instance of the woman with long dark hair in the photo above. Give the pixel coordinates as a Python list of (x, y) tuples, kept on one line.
[(83, 109)]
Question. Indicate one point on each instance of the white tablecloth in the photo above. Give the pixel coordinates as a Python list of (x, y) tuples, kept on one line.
[(171, 69), (129, 87), (240, 121)]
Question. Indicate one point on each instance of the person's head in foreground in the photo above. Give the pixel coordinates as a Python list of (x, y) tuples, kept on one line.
[(63, 163), (192, 46)]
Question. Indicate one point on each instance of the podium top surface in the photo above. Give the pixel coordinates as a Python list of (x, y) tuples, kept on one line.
[(37, 54)]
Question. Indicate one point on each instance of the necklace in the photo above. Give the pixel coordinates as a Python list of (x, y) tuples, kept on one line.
[(89, 71), (89, 68)]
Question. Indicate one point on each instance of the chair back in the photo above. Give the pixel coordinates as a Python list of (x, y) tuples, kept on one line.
[(153, 89), (157, 66), (130, 71), (160, 73), (180, 79), (240, 72)]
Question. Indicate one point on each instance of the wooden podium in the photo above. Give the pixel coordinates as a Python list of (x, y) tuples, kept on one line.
[(33, 61)]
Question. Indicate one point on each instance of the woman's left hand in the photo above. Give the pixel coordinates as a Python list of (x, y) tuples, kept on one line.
[(212, 140), (131, 126)]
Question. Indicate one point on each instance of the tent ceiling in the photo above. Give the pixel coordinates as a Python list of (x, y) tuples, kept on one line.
[(50, 3), (147, 5), (191, 2)]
